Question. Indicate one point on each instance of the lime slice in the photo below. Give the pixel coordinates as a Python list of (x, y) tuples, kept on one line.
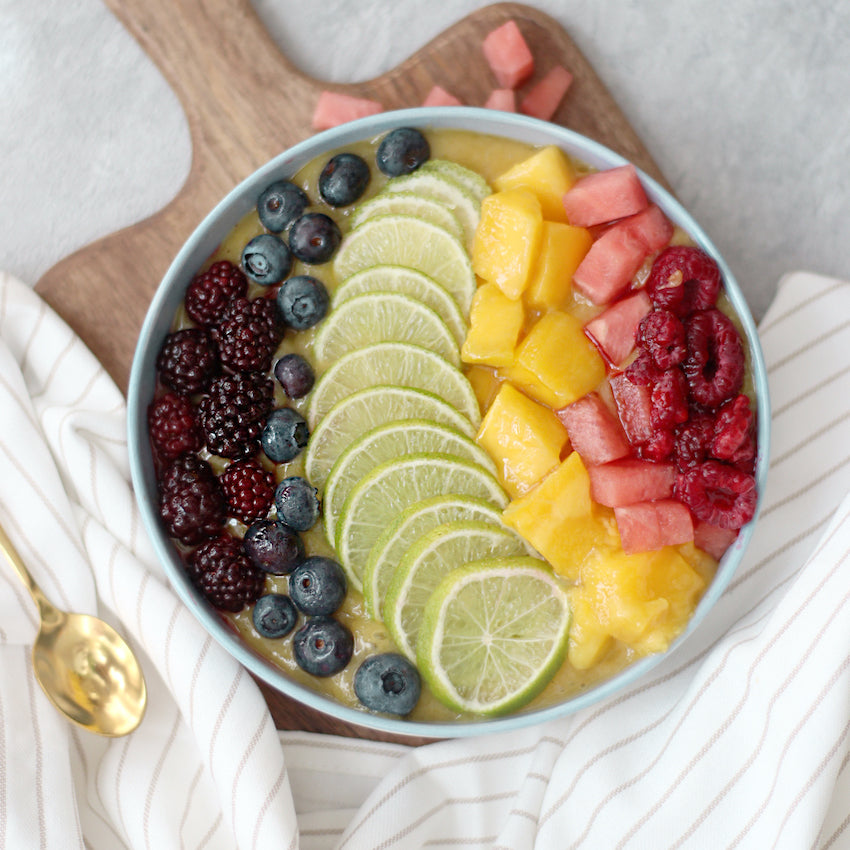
[(409, 203), (470, 180), (366, 409), (390, 487), (428, 561), (409, 525), (406, 241), (382, 317), (407, 282), (398, 364), (462, 203), (493, 634), (393, 440)]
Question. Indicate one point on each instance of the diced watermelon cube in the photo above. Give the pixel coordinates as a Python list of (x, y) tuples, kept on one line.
[(438, 96), (609, 266), (633, 408), (614, 329), (649, 226), (545, 96), (647, 526), (594, 431), (508, 54), (624, 482), (605, 196), (712, 539), (504, 99), (334, 108)]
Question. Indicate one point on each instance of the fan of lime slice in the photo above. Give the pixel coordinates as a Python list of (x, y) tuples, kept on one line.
[(408, 526), (382, 317), (470, 180), (408, 203), (430, 559), (390, 487), (397, 364), (493, 634), (366, 409), (385, 442)]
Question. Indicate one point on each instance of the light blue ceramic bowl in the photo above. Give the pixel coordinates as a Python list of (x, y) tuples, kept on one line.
[(201, 245)]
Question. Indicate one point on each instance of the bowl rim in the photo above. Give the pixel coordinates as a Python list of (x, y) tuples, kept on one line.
[(201, 244)]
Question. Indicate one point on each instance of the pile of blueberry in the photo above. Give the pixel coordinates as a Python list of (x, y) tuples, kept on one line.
[(215, 397)]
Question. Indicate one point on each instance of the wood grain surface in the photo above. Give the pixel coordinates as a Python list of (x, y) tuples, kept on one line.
[(245, 103)]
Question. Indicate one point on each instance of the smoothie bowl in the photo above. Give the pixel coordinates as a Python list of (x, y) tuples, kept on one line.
[(448, 421)]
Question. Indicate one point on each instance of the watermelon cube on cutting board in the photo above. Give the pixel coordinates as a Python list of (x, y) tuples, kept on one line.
[(335, 108), (508, 55), (614, 329), (544, 97), (594, 431)]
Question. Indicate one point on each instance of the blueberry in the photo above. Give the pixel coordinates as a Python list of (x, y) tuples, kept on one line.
[(314, 237), (343, 179), (402, 151), (295, 375), (273, 546), (303, 301), (266, 259), (274, 615), (389, 683), (317, 586), (284, 435), (297, 503), (280, 204), (322, 646)]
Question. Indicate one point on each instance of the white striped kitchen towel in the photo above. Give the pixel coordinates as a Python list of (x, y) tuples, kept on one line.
[(739, 739)]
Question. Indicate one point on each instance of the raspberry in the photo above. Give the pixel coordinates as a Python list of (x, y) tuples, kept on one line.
[(669, 400), (642, 371), (187, 360), (233, 412), (734, 437), (221, 570), (248, 335), (683, 279), (693, 440), (659, 446), (191, 501), (719, 494), (210, 292), (173, 426), (249, 490), (714, 366), (661, 335)]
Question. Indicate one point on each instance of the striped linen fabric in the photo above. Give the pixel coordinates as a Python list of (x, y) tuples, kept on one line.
[(738, 739)]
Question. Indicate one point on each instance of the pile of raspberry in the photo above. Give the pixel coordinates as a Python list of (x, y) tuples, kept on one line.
[(215, 392), (691, 361)]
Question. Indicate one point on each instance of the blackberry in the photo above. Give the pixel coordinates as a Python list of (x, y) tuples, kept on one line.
[(223, 573), (173, 426), (209, 293), (248, 334), (248, 489), (191, 502), (233, 412), (187, 360)]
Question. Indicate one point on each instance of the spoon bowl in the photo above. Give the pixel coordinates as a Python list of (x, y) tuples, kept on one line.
[(82, 664)]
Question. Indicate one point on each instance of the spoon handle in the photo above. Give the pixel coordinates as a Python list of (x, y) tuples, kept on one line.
[(24, 574)]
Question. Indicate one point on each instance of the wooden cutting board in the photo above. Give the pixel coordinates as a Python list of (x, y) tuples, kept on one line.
[(245, 103)]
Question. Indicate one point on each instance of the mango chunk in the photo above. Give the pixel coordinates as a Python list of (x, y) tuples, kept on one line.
[(643, 600), (548, 173), (558, 518), (588, 638), (495, 322), (485, 385), (562, 248), (524, 439), (556, 363), (507, 239)]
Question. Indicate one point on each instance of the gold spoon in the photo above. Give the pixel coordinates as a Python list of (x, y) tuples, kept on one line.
[(83, 665)]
